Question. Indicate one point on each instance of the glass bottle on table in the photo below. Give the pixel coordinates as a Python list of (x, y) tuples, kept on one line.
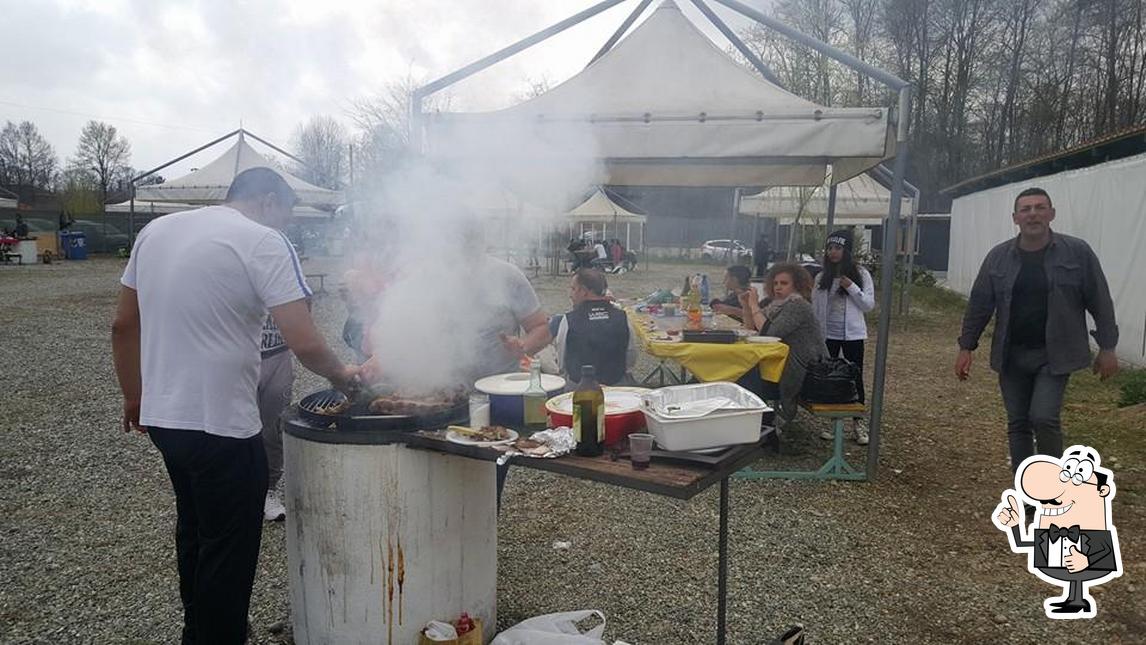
[(589, 414), (692, 305), (534, 415)]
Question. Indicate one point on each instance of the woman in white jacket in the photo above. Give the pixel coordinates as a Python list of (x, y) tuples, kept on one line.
[(844, 292)]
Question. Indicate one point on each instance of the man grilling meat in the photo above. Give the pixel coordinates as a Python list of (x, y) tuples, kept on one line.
[(186, 344), (482, 329)]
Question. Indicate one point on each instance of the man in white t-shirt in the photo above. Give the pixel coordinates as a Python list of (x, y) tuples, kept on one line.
[(186, 342)]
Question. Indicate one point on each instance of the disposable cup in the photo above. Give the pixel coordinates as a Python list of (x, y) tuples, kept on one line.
[(640, 449)]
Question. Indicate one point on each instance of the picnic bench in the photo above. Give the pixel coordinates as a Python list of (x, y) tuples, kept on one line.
[(836, 467), (321, 277)]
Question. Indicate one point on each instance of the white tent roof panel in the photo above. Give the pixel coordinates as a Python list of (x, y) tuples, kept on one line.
[(666, 106), (209, 184), (860, 201), (599, 208)]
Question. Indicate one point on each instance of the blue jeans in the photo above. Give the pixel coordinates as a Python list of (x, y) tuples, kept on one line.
[(1033, 399)]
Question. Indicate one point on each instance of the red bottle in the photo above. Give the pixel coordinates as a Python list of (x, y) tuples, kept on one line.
[(464, 624)]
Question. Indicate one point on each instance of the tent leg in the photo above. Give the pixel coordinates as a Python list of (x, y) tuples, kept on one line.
[(832, 208), (887, 279)]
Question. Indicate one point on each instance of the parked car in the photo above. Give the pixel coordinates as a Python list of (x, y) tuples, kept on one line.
[(719, 250), (102, 238)]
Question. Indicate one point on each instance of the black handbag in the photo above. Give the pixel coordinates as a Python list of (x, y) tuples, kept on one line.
[(830, 380)]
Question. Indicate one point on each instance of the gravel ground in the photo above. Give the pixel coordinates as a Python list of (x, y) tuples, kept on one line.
[(86, 512)]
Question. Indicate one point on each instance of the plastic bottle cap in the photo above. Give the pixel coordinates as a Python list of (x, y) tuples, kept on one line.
[(588, 370)]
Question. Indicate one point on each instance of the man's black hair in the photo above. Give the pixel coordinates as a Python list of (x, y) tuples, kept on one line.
[(741, 274), (254, 183), (1032, 192), (593, 280)]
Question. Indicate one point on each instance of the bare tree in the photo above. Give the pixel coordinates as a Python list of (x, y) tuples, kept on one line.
[(27, 160), (104, 153), (321, 143), (385, 128)]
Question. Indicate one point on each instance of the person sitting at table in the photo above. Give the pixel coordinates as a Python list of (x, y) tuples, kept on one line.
[(787, 314), (737, 280), (21, 230), (596, 332)]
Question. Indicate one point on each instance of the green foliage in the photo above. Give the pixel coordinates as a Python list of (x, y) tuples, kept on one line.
[(1133, 389)]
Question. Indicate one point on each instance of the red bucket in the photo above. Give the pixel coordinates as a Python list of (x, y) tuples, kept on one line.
[(623, 414)]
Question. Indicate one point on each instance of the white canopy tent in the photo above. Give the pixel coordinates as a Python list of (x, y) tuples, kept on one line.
[(166, 208), (667, 107), (599, 210), (860, 201), (7, 199), (1104, 204), (209, 184)]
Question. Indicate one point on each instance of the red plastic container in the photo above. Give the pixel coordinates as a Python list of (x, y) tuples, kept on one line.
[(623, 414)]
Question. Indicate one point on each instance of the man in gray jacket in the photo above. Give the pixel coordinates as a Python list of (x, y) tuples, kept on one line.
[(1039, 286)]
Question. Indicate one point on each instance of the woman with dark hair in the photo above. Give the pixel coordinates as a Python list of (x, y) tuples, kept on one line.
[(844, 292), (737, 280), (788, 315)]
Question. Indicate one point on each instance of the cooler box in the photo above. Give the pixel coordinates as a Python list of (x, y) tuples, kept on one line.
[(736, 423), (75, 245)]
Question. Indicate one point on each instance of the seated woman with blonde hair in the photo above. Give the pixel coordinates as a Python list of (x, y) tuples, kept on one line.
[(787, 314)]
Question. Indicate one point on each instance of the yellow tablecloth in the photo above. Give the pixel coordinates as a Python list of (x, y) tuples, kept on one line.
[(711, 361)]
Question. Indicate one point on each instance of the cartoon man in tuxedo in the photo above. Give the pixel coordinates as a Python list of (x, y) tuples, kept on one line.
[(1072, 542)]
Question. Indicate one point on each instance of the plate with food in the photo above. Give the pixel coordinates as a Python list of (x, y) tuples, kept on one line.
[(484, 437)]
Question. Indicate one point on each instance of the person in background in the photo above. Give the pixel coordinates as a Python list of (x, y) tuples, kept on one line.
[(602, 255), (185, 341), (761, 253), (596, 332), (1039, 286), (788, 315), (276, 383), (737, 280), (844, 293), (20, 232)]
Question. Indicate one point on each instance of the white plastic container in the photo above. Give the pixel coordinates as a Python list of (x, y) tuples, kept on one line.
[(724, 427)]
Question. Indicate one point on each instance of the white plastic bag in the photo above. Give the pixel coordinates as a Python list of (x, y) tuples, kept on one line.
[(554, 629)]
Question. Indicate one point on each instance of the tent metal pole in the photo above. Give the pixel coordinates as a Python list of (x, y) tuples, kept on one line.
[(728, 256), (737, 42), (182, 157), (887, 279), (908, 283), (891, 80), (620, 30), (276, 149), (131, 217), (831, 208), (506, 52)]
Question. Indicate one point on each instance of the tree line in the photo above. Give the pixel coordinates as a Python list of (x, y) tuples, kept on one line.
[(996, 82), (98, 173)]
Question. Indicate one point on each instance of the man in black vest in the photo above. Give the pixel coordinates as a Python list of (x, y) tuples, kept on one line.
[(595, 332)]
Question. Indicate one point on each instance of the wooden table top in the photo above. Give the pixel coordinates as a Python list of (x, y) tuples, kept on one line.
[(679, 475)]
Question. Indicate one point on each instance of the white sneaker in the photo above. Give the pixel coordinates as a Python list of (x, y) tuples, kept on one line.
[(273, 509), (828, 434), (860, 427)]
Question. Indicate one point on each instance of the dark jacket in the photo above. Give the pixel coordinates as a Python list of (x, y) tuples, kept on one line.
[(1076, 286), (796, 325), (597, 334)]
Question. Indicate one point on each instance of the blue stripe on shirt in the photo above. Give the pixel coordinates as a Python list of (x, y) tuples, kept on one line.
[(306, 292)]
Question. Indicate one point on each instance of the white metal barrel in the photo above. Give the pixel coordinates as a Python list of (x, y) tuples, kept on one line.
[(382, 539)]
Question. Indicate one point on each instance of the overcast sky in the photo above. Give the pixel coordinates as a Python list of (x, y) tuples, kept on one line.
[(172, 75)]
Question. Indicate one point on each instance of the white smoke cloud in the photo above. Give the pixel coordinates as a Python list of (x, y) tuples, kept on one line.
[(435, 317)]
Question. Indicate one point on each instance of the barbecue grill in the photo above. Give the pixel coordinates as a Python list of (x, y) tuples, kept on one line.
[(318, 410)]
